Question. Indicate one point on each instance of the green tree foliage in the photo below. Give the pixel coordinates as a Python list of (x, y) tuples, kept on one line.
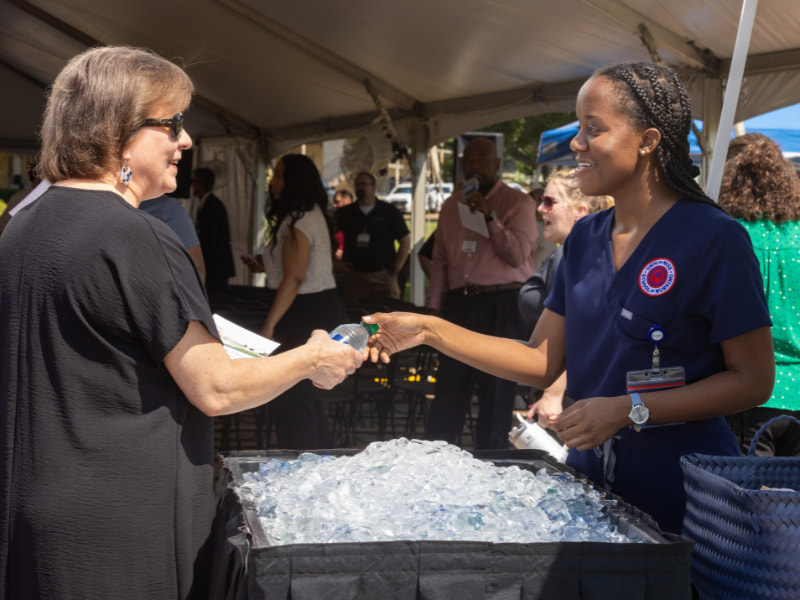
[(521, 136)]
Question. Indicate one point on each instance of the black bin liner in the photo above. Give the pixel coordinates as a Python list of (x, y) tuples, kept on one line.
[(247, 567)]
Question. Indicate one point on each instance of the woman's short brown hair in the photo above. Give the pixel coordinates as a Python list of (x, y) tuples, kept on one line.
[(98, 101), (758, 182)]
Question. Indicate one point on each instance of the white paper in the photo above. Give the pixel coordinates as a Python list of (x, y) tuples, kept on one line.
[(474, 221), (242, 343)]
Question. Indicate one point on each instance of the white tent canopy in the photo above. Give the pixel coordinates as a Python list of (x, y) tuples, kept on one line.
[(277, 73), (293, 72)]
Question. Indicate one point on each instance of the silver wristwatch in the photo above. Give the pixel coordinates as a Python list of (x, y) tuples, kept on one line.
[(639, 413)]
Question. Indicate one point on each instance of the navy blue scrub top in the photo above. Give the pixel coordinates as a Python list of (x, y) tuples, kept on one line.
[(694, 273)]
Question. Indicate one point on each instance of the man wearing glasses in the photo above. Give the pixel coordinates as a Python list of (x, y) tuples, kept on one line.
[(476, 277)]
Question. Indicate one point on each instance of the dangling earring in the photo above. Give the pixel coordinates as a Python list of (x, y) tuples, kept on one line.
[(125, 173)]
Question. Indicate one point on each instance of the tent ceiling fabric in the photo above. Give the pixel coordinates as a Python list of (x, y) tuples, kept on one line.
[(288, 72)]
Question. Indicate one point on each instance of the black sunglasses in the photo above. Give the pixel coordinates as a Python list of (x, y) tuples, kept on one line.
[(175, 125), (547, 201)]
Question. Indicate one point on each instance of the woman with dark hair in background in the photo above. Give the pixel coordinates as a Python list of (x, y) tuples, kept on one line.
[(299, 266), (660, 294), (111, 367), (761, 189)]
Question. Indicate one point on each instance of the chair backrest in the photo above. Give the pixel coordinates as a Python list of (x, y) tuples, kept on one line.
[(427, 362), (417, 364)]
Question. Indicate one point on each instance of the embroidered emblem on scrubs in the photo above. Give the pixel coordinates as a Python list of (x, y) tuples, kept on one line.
[(657, 277)]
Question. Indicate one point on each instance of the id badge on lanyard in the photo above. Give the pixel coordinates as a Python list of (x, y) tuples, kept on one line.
[(656, 377)]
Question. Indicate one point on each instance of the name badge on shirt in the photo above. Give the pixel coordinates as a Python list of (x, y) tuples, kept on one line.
[(651, 380), (657, 377), (362, 240), (469, 246)]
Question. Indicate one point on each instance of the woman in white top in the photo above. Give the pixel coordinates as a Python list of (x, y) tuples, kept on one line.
[(299, 266)]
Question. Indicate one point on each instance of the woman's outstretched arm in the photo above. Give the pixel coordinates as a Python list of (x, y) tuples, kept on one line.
[(538, 362)]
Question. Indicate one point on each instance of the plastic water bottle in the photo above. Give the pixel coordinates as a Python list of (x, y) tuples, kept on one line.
[(528, 434), (354, 334), (470, 185)]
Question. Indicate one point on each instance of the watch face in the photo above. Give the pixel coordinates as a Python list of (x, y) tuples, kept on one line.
[(639, 414)]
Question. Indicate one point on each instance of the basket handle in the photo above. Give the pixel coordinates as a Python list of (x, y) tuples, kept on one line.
[(752, 450)]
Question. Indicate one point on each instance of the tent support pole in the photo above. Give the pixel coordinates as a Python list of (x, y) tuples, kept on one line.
[(731, 97), (417, 277), (712, 106)]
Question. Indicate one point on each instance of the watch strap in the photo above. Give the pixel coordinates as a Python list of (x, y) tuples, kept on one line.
[(637, 406)]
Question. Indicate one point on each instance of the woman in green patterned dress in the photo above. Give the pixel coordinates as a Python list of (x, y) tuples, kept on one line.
[(761, 189)]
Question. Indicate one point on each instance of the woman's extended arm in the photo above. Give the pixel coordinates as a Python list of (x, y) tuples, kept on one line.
[(294, 258), (219, 385), (538, 362)]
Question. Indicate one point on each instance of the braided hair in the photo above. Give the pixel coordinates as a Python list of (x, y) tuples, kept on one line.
[(654, 96)]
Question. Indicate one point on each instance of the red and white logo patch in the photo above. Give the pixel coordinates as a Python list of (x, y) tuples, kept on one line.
[(657, 277)]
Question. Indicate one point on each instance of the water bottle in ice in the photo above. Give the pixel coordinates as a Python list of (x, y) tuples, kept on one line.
[(354, 334)]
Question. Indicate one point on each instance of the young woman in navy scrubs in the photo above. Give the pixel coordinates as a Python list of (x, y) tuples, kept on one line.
[(658, 310)]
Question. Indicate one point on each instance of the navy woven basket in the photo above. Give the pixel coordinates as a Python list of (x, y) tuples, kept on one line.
[(747, 540)]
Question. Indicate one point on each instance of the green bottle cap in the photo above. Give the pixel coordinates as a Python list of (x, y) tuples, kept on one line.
[(371, 327)]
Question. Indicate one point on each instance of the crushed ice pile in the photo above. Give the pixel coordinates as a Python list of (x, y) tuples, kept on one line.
[(421, 490)]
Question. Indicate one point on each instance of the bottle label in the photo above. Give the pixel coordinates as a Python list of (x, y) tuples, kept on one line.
[(338, 337)]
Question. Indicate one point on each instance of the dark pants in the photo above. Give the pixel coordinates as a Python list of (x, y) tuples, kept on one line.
[(376, 284), (496, 314), (300, 422), (781, 438)]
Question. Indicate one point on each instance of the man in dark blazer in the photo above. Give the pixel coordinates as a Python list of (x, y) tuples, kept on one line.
[(213, 231)]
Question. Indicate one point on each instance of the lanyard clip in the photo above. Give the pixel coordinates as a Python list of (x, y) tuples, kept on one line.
[(656, 358), (656, 334)]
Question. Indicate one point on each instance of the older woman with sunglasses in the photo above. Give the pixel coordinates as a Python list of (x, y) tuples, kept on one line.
[(559, 207), (111, 368)]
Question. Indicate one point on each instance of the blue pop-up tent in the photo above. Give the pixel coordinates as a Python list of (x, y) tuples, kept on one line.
[(554, 145)]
